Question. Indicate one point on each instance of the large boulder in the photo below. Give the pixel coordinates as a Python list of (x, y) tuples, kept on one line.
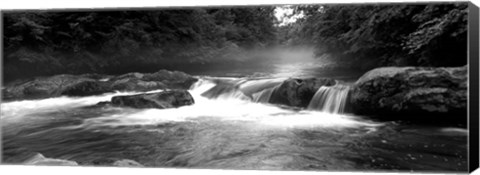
[(418, 93), (160, 100), (86, 88), (298, 92), (94, 84), (135, 84), (162, 79), (45, 87), (172, 79)]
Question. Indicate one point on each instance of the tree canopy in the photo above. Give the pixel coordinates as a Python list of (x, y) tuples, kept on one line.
[(58, 42), (384, 34), (119, 41)]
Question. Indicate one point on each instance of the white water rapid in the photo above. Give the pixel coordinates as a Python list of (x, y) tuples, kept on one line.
[(229, 107)]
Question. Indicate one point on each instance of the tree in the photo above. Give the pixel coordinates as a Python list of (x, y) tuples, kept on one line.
[(44, 42), (378, 35)]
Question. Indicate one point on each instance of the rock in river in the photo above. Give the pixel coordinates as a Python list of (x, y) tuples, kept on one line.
[(162, 79), (417, 93), (298, 92), (86, 88), (94, 84), (45, 87), (160, 100)]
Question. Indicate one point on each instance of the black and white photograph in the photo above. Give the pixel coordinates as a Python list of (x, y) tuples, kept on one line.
[(351, 87)]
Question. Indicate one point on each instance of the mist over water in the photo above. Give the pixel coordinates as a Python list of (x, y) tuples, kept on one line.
[(279, 62)]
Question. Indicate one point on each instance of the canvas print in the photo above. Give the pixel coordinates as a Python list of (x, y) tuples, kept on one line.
[(312, 87)]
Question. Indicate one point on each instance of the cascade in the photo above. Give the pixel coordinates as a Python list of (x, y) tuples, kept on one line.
[(201, 86), (257, 90), (264, 95), (331, 99)]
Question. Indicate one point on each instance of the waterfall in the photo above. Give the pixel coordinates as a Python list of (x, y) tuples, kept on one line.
[(263, 96), (256, 90), (201, 86), (330, 99)]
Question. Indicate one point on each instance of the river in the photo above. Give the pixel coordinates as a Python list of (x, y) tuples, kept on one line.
[(228, 132)]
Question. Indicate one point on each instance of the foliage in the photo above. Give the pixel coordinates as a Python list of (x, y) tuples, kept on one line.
[(43, 42), (392, 34), (365, 36)]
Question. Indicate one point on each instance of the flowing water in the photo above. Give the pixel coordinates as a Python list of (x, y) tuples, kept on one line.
[(228, 128), (330, 99)]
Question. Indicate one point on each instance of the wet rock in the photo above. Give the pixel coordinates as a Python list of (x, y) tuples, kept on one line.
[(39, 159), (102, 104), (94, 84), (160, 100), (43, 87), (412, 92), (86, 88), (135, 85), (298, 92), (134, 75), (127, 163), (162, 79), (172, 79)]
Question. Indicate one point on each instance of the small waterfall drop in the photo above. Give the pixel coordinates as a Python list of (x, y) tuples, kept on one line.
[(201, 86), (331, 99), (264, 95), (256, 90)]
